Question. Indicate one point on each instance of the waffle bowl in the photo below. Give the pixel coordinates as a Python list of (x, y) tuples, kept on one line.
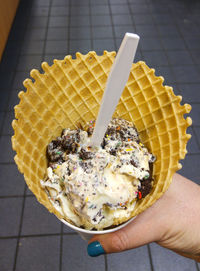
[(70, 91)]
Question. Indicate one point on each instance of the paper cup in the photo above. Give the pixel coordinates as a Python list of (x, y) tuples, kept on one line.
[(87, 234)]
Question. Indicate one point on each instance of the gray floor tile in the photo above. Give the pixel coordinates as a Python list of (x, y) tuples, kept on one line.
[(41, 3), (98, 2), (56, 47), (6, 154), (155, 58), (170, 30), (19, 78), (38, 253), (135, 259), (79, 33), (75, 255), (6, 80), (195, 113), (164, 260), (163, 18), (190, 92), (2, 115), (10, 65), (40, 11), (55, 33), (32, 47), (138, 19), (139, 8), (100, 10), (79, 20), (82, 46), (179, 57), (150, 44), (148, 30), (67, 229), (10, 214), (197, 133), (121, 19), (35, 34), (80, 3), (190, 167), (189, 29), (167, 74), (186, 74), (120, 31), (59, 11), (192, 145), (4, 99), (195, 56), (77, 11), (7, 128), (60, 3), (37, 22), (13, 99), (7, 254), (173, 44), (13, 47), (11, 181), (28, 62), (120, 9), (101, 20), (38, 220), (99, 32), (60, 21), (101, 45), (49, 58)]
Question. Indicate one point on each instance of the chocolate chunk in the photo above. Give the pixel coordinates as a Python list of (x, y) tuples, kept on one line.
[(90, 131), (110, 131), (134, 163), (69, 144), (146, 183), (54, 151), (152, 159), (113, 152), (83, 154), (103, 144)]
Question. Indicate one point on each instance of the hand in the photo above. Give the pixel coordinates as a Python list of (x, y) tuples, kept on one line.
[(173, 222)]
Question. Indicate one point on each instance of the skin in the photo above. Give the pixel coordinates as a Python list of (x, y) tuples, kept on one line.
[(173, 222)]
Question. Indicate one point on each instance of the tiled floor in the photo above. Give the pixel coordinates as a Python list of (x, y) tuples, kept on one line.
[(30, 237)]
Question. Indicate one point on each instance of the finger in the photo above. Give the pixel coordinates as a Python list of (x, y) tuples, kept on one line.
[(144, 229)]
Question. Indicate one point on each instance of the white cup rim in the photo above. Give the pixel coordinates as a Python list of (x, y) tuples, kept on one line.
[(92, 232)]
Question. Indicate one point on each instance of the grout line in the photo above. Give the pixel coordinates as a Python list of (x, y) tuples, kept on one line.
[(112, 25), (106, 262), (19, 233), (90, 19), (197, 266), (37, 235), (61, 247), (195, 136), (150, 257), (45, 35), (69, 18), (16, 196)]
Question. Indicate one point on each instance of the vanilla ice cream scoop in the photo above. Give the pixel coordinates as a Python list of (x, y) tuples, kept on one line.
[(93, 187)]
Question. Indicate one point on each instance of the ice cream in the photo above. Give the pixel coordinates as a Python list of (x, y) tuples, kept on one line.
[(96, 188)]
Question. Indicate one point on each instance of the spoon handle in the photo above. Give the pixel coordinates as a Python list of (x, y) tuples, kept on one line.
[(116, 82)]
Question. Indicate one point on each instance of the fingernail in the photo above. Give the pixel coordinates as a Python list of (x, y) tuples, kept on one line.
[(95, 249)]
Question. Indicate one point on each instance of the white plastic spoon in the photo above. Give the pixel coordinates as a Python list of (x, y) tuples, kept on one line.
[(116, 82)]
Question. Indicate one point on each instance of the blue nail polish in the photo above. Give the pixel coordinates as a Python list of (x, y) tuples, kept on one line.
[(95, 249)]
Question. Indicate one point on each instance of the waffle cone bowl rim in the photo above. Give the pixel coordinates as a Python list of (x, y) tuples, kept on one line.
[(156, 192)]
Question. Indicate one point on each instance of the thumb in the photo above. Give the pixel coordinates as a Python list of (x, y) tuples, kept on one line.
[(142, 230)]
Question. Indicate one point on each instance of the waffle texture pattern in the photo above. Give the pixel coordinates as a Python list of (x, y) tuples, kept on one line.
[(70, 91)]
